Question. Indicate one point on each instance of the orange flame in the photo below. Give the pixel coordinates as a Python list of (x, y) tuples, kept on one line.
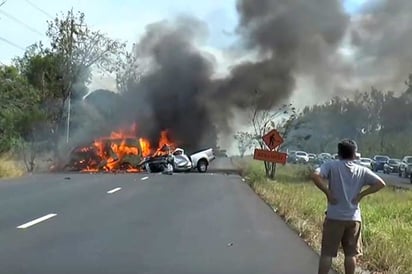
[(165, 144), (145, 146), (113, 153)]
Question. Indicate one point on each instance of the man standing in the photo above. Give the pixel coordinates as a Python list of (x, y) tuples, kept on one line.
[(344, 192)]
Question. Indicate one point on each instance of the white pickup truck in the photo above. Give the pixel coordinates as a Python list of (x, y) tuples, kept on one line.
[(181, 161), (201, 159)]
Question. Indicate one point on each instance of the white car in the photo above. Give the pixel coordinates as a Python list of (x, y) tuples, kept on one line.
[(325, 156), (312, 156), (366, 162), (201, 159), (180, 161), (301, 156)]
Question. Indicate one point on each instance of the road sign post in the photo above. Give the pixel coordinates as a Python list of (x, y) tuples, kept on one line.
[(272, 140), (270, 156)]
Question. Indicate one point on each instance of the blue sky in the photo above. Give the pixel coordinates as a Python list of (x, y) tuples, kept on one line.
[(121, 19)]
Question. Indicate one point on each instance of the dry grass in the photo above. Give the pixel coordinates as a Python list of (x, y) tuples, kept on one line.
[(9, 167), (387, 216)]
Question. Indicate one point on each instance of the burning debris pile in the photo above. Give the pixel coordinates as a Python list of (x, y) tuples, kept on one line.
[(123, 151)]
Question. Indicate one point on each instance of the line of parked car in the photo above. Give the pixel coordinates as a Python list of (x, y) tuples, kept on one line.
[(302, 157), (402, 167)]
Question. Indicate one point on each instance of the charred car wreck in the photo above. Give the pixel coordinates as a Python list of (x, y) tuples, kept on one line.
[(177, 161), (112, 155)]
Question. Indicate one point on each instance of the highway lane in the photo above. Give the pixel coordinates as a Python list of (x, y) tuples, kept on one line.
[(222, 165), (394, 180), (143, 223), (29, 196)]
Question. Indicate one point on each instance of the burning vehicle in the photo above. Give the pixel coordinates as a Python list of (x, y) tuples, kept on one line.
[(107, 154), (124, 152)]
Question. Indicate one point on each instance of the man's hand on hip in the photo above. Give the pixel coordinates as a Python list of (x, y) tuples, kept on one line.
[(331, 199)]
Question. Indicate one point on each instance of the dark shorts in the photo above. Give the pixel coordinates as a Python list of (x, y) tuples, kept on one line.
[(347, 233)]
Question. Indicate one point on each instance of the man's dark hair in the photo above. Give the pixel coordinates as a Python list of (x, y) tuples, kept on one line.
[(347, 149)]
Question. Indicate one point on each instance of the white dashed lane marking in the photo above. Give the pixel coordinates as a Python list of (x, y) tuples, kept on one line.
[(144, 178), (114, 190), (36, 221)]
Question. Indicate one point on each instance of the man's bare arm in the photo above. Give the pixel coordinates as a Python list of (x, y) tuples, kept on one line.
[(319, 182), (380, 184)]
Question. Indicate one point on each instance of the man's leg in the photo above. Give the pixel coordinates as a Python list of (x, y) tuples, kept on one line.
[(352, 245), (325, 264), (350, 264), (331, 238)]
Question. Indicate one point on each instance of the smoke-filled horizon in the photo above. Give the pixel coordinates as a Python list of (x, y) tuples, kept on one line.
[(292, 39)]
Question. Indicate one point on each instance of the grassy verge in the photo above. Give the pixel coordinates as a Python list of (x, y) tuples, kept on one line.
[(387, 216), (9, 167)]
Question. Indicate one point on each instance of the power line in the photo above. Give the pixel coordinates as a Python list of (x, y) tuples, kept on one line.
[(39, 9), (3, 2), (20, 22), (11, 43)]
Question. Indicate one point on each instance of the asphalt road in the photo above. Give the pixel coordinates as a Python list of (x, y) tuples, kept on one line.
[(394, 180), (143, 223)]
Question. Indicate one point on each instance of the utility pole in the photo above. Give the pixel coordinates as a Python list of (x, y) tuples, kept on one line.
[(70, 75), (68, 119)]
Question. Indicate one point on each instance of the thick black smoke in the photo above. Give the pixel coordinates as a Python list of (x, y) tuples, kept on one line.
[(382, 35), (177, 91), (290, 37), (168, 96)]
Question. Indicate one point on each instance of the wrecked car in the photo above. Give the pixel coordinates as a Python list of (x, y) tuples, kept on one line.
[(105, 155), (180, 162)]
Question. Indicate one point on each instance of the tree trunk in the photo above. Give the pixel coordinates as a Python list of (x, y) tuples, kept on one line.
[(267, 169), (272, 171)]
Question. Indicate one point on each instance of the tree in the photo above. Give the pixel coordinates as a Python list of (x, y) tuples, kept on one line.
[(263, 120), (379, 121), (80, 51), (245, 141), (128, 72), (20, 114), (41, 68)]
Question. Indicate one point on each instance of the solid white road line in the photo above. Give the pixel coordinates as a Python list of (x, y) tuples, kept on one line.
[(36, 221), (144, 178), (114, 190)]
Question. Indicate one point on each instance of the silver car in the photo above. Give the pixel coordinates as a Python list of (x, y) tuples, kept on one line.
[(301, 157), (366, 162)]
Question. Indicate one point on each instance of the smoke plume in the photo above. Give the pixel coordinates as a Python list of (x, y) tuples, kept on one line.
[(291, 39), (168, 96), (382, 35), (177, 92)]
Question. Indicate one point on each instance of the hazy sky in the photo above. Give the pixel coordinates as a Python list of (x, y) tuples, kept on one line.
[(23, 22)]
